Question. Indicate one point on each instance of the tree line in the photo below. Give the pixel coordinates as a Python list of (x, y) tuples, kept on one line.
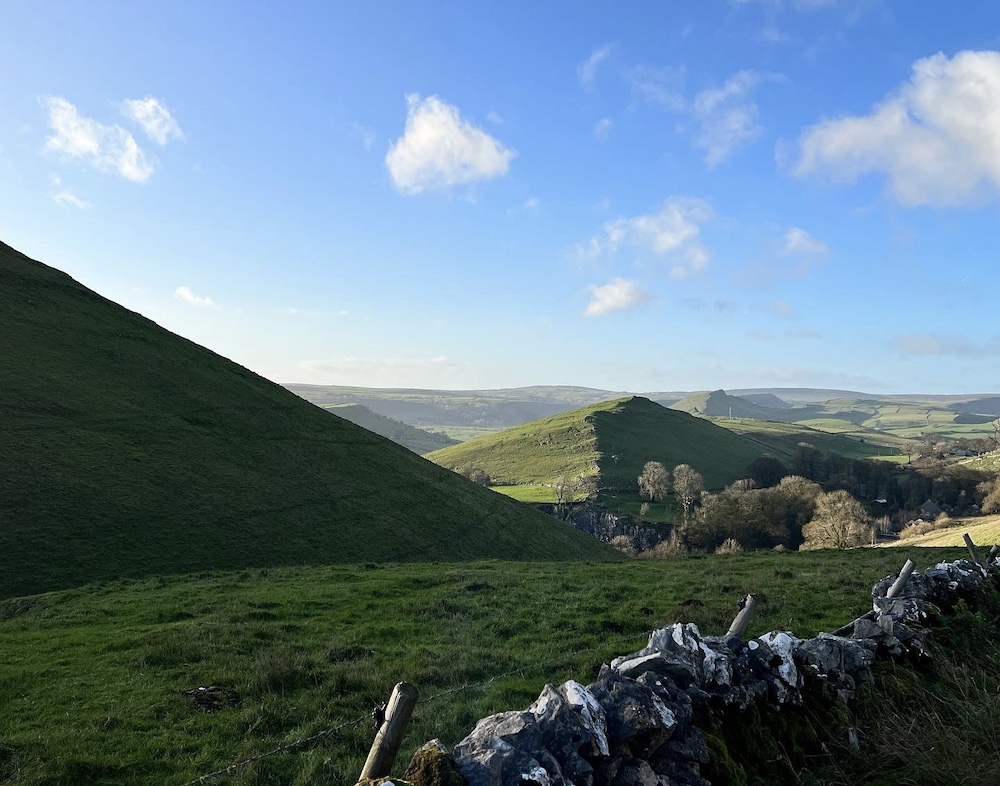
[(825, 501)]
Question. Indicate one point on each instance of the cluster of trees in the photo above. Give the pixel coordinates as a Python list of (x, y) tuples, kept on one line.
[(816, 505), (684, 480)]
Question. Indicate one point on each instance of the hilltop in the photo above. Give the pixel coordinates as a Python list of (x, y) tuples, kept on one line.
[(720, 404), (128, 451), (610, 442)]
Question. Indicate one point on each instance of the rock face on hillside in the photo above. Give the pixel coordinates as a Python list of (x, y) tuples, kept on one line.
[(635, 724), (606, 525)]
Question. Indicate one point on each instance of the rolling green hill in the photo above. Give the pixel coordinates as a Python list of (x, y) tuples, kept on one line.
[(127, 451), (416, 439), (718, 403), (610, 441)]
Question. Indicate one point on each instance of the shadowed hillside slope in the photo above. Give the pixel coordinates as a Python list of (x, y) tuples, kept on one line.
[(610, 441), (126, 450)]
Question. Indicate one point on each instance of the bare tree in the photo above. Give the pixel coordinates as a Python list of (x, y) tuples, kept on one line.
[(654, 482), (840, 522), (688, 485)]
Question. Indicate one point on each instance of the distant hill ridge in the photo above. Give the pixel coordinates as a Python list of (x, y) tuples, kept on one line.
[(128, 451), (416, 439), (610, 442)]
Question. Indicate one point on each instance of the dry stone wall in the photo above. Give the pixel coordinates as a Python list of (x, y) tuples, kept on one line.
[(635, 724)]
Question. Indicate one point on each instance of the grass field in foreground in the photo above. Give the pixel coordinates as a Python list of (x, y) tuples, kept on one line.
[(92, 680)]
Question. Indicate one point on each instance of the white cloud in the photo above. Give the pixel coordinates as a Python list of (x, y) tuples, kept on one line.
[(663, 87), (618, 295), (603, 129), (439, 149), (936, 139), (798, 241), (494, 118), (185, 294), (727, 116), (938, 344), (67, 197), (672, 233), (154, 118), (587, 70), (532, 204), (106, 148)]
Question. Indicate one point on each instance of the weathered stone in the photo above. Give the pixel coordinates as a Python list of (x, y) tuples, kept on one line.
[(507, 750), (678, 652), (637, 718), (433, 765), (573, 728), (635, 772), (908, 610)]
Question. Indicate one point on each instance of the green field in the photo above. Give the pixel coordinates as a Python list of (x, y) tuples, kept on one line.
[(93, 680)]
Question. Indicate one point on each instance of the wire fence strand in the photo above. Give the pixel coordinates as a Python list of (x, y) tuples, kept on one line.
[(302, 742)]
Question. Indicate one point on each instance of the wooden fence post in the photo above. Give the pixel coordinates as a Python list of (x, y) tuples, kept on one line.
[(894, 590), (382, 755), (901, 579), (972, 549), (742, 620), (993, 554)]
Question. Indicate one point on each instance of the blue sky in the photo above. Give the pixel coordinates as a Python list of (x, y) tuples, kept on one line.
[(657, 196)]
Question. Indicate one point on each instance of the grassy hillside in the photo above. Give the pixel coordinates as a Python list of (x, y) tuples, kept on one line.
[(610, 441), (93, 680), (126, 450), (985, 532), (782, 439), (417, 440)]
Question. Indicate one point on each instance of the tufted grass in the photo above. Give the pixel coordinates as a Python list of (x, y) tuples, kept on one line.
[(93, 680)]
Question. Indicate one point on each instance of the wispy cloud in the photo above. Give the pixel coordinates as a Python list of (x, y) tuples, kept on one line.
[(796, 255), (188, 296), (587, 70), (602, 130), (935, 139), (154, 118), (68, 198), (617, 295), (663, 87), (672, 234), (727, 116), (720, 120), (439, 149), (364, 134), (941, 345), (108, 148), (800, 242)]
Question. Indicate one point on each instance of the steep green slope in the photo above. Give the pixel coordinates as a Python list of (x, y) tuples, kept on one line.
[(610, 441), (416, 439), (126, 450)]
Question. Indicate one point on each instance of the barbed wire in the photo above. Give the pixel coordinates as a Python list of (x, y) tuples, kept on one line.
[(283, 748), (233, 768)]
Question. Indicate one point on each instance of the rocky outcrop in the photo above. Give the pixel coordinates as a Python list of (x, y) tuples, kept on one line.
[(635, 724), (606, 525)]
